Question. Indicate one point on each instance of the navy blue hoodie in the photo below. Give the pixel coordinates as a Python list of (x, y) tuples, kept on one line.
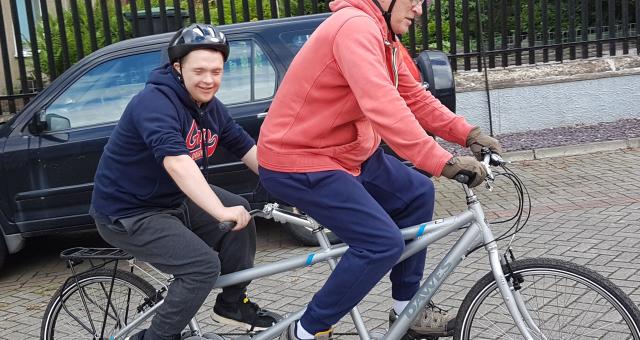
[(158, 122)]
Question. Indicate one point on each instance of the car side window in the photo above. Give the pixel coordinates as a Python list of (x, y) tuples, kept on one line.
[(296, 39), (101, 95), (247, 62)]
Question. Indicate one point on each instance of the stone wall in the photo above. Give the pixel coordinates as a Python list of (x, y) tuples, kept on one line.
[(551, 95)]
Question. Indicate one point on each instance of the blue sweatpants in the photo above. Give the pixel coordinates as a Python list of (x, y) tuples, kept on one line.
[(366, 212)]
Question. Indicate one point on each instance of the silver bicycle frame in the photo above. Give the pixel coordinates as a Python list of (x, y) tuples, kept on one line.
[(477, 233)]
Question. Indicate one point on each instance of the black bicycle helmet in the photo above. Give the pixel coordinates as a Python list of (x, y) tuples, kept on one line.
[(196, 37)]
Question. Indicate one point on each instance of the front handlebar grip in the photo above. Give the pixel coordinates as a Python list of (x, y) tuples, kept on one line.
[(464, 179), (226, 226)]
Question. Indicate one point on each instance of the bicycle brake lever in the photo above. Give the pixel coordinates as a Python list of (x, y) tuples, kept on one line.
[(497, 160), (489, 184)]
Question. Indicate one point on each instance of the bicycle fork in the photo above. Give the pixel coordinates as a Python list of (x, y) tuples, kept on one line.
[(511, 295)]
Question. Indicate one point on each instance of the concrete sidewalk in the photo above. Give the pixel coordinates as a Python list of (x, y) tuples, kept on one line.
[(585, 209)]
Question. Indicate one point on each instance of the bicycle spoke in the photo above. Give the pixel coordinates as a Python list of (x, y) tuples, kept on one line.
[(83, 306), (77, 319), (566, 303), (110, 304)]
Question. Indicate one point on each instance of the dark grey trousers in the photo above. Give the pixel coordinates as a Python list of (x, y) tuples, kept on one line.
[(186, 243)]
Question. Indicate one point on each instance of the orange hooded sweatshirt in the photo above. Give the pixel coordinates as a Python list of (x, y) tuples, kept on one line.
[(340, 96)]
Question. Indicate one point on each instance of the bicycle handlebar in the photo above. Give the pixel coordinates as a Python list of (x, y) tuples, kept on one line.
[(490, 159), (272, 211), (226, 226)]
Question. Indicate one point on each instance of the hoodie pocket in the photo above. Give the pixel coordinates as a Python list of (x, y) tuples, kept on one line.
[(358, 150)]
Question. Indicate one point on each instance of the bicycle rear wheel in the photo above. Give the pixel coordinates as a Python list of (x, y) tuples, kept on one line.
[(77, 310), (565, 300)]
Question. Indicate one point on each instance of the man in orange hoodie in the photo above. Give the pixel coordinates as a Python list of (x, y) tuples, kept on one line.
[(346, 90)]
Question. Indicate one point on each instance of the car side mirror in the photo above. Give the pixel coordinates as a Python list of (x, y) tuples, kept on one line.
[(43, 121), (437, 75), (57, 122), (38, 122)]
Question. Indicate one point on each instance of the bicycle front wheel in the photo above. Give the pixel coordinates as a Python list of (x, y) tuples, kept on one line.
[(77, 310), (565, 301)]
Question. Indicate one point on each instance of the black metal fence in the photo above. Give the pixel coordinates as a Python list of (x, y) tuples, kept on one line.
[(506, 32)]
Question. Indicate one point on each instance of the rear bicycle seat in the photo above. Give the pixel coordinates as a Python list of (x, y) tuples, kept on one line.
[(82, 253)]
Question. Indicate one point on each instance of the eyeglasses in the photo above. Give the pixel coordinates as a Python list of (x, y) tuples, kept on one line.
[(416, 3)]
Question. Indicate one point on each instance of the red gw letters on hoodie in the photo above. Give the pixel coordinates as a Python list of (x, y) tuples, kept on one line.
[(194, 141)]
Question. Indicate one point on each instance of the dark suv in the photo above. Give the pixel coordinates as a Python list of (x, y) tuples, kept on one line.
[(50, 150)]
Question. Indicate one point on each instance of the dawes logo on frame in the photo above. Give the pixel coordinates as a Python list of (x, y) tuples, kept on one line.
[(194, 139)]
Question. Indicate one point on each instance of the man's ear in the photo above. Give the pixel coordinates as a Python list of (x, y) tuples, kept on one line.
[(178, 68)]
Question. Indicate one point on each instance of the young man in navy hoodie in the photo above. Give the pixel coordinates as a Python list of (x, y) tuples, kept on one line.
[(152, 200)]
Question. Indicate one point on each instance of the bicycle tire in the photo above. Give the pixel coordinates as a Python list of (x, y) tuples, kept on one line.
[(66, 316), (597, 309)]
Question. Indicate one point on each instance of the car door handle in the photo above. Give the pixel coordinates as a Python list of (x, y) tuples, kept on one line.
[(262, 115)]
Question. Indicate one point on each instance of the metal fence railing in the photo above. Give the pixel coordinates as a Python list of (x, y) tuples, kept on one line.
[(50, 35)]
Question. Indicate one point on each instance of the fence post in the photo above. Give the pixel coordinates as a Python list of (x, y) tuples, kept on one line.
[(47, 41), (4, 51), (612, 28), (599, 28), (558, 32), (531, 32), (625, 25), (465, 34), (545, 32), (35, 53), (105, 22), (206, 13), (453, 42), (572, 29), (18, 39), (438, 17), (517, 32), (75, 15), (585, 29), (88, 6), (119, 19), (491, 42)]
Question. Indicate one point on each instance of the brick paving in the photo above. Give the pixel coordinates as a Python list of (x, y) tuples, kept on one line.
[(585, 209)]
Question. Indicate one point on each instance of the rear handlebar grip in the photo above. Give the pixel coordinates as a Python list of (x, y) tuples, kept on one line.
[(226, 226)]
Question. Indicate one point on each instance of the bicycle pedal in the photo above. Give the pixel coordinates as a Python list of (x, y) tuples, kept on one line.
[(188, 335), (411, 335), (421, 337), (206, 336)]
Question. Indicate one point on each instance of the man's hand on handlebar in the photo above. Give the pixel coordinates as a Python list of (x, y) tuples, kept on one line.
[(234, 218), (477, 141), (465, 169)]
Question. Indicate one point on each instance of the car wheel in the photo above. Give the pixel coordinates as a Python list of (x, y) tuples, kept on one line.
[(306, 236), (3, 250)]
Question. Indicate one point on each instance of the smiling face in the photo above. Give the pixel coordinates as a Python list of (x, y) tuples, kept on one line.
[(403, 13), (201, 73)]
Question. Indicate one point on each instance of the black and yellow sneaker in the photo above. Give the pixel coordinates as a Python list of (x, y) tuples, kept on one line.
[(291, 333), (243, 313)]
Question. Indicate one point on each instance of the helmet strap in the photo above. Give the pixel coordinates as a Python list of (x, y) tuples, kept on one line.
[(387, 16)]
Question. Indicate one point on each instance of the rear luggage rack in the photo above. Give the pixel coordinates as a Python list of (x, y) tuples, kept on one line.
[(82, 253)]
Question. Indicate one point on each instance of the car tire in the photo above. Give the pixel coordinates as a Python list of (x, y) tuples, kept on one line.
[(306, 236), (3, 250)]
